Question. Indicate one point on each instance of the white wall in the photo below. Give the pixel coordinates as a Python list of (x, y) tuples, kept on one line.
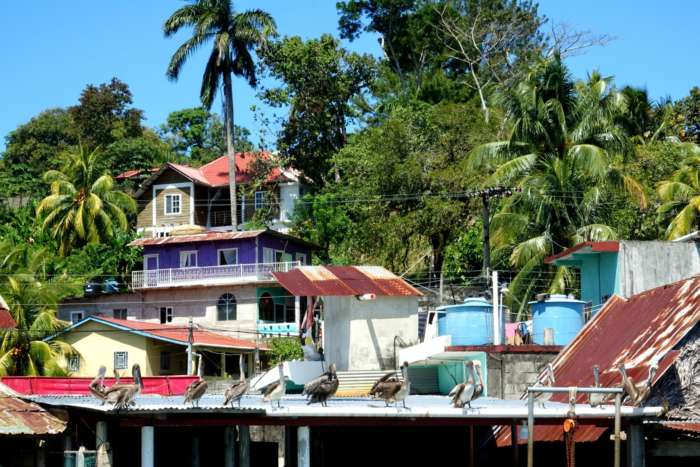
[(359, 335)]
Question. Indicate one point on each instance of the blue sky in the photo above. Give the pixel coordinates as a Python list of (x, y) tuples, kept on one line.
[(52, 49)]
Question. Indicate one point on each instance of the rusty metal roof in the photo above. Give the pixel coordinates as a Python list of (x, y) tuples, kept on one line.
[(19, 417), (585, 247), (319, 281), (637, 331), (214, 236)]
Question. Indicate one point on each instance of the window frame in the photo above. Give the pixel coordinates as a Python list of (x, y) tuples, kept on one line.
[(117, 356), (74, 363), (73, 313), (168, 314), (166, 361), (186, 253), (166, 196), (259, 203), (219, 304), (301, 257), (221, 250)]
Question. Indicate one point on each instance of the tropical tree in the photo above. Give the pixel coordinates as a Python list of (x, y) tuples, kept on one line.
[(234, 37), (680, 194), (84, 206), (565, 153)]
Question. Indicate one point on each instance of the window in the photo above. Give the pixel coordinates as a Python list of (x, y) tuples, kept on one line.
[(121, 360), (165, 361), (226, 307), (166, 314), (188, 259), (301, 257), (259, 199), (228, 256), (76, 316), (266, 308), (173, 205), (119, 313), (74, 363)]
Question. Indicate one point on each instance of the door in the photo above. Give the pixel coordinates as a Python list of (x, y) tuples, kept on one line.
[(150, 266)]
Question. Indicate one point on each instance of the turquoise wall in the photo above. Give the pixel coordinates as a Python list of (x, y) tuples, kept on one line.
[(599, 272), (451, 372)]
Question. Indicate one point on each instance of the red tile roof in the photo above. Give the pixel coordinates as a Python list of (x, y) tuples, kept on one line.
[(321, 281), (590, 247), (635, 332), (6, 319)]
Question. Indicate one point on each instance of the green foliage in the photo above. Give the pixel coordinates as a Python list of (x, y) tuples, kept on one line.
[(680, 194), (285, 349), (139, 153), (464, 255), (320, 79), (84, 207), (687, 117)]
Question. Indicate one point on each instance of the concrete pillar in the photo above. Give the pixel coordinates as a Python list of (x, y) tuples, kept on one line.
[(223, 365), (297, 310), (303, 447), (195, 449), (244, 445), (229, 446), (635, 446), (147, 447), (100, 433)]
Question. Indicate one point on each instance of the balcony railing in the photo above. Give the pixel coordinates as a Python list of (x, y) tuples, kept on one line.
[(209, 275)]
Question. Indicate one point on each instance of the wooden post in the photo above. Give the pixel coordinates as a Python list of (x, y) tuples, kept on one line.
[(618, 422), (229, 446), (100, 433), (303, 447), (471, 445), (195, 449), (514, 441), (635, 446), (244, 445), (147, 447)]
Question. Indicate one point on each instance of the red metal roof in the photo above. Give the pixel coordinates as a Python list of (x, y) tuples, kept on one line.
[(634, 332), (525, 348), (683, 425), (45, 385), (18, 417), (318, 281), (216, 236), (6, 319), (589, 247)]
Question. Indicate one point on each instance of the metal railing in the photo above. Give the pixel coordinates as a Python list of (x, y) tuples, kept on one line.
[(208, 274)]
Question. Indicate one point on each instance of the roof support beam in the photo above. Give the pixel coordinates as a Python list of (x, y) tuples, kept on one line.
[(303, 446)]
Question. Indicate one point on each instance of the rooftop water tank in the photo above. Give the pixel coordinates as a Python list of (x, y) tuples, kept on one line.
[(469, 323), (556, 320)]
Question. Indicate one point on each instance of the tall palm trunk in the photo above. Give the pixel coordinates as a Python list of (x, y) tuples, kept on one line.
[(228, 109)]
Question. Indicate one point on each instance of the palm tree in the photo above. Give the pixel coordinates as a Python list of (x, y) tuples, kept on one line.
[(565, 152), (84, 206), (681, 194), (234, 36)]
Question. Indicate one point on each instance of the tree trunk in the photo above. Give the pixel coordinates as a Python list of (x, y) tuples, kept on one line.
[(228, 110)]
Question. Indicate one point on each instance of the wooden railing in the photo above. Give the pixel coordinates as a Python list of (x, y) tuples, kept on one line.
[(208, 274)]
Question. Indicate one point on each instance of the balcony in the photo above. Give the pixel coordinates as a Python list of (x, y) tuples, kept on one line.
[(209, 275)]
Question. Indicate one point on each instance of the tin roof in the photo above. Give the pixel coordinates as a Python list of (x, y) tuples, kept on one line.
[(585, 247), (216, 236), (637, 331), (18, 417), (171, 333), (319, 281)]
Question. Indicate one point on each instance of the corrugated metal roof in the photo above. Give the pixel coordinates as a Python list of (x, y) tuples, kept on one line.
[(18, 417), (6, 319), (319, 281), (684, 425), (585, 247), (216, 236), (634, 332)]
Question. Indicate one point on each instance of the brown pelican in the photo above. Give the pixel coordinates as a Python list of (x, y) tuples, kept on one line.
[(637, 393), (276, 390), (478, 385), (391, 389), (196, 389), (463, 393), (595, 399), (122, 395), (97, 385), (322, 388), (237, 390)]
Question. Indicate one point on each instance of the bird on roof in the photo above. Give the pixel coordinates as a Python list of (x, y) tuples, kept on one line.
[(97, 386), (277, 390), (196, 389), (637, 393), (121, 396), (322, 388), (479, 384), (238, 389), (463, 392), (390, 389)]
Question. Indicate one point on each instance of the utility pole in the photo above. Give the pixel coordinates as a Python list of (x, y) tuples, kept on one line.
[(190, 339), (486, 195)]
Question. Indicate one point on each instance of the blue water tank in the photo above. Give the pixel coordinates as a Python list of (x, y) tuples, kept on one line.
[(469, 323), (562, 314)]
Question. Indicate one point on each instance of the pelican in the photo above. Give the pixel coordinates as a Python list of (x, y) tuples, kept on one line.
[(549, 379), (276, 390), (196, 389), (322, 388), (239, 388), (478, 385), (122, 395), (596, 399), (391, 389), (637, 393), (97, 385), (463, 393)]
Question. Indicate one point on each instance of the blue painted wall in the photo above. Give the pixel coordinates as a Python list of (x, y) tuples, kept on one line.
[(451, 372), (599, 276)]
